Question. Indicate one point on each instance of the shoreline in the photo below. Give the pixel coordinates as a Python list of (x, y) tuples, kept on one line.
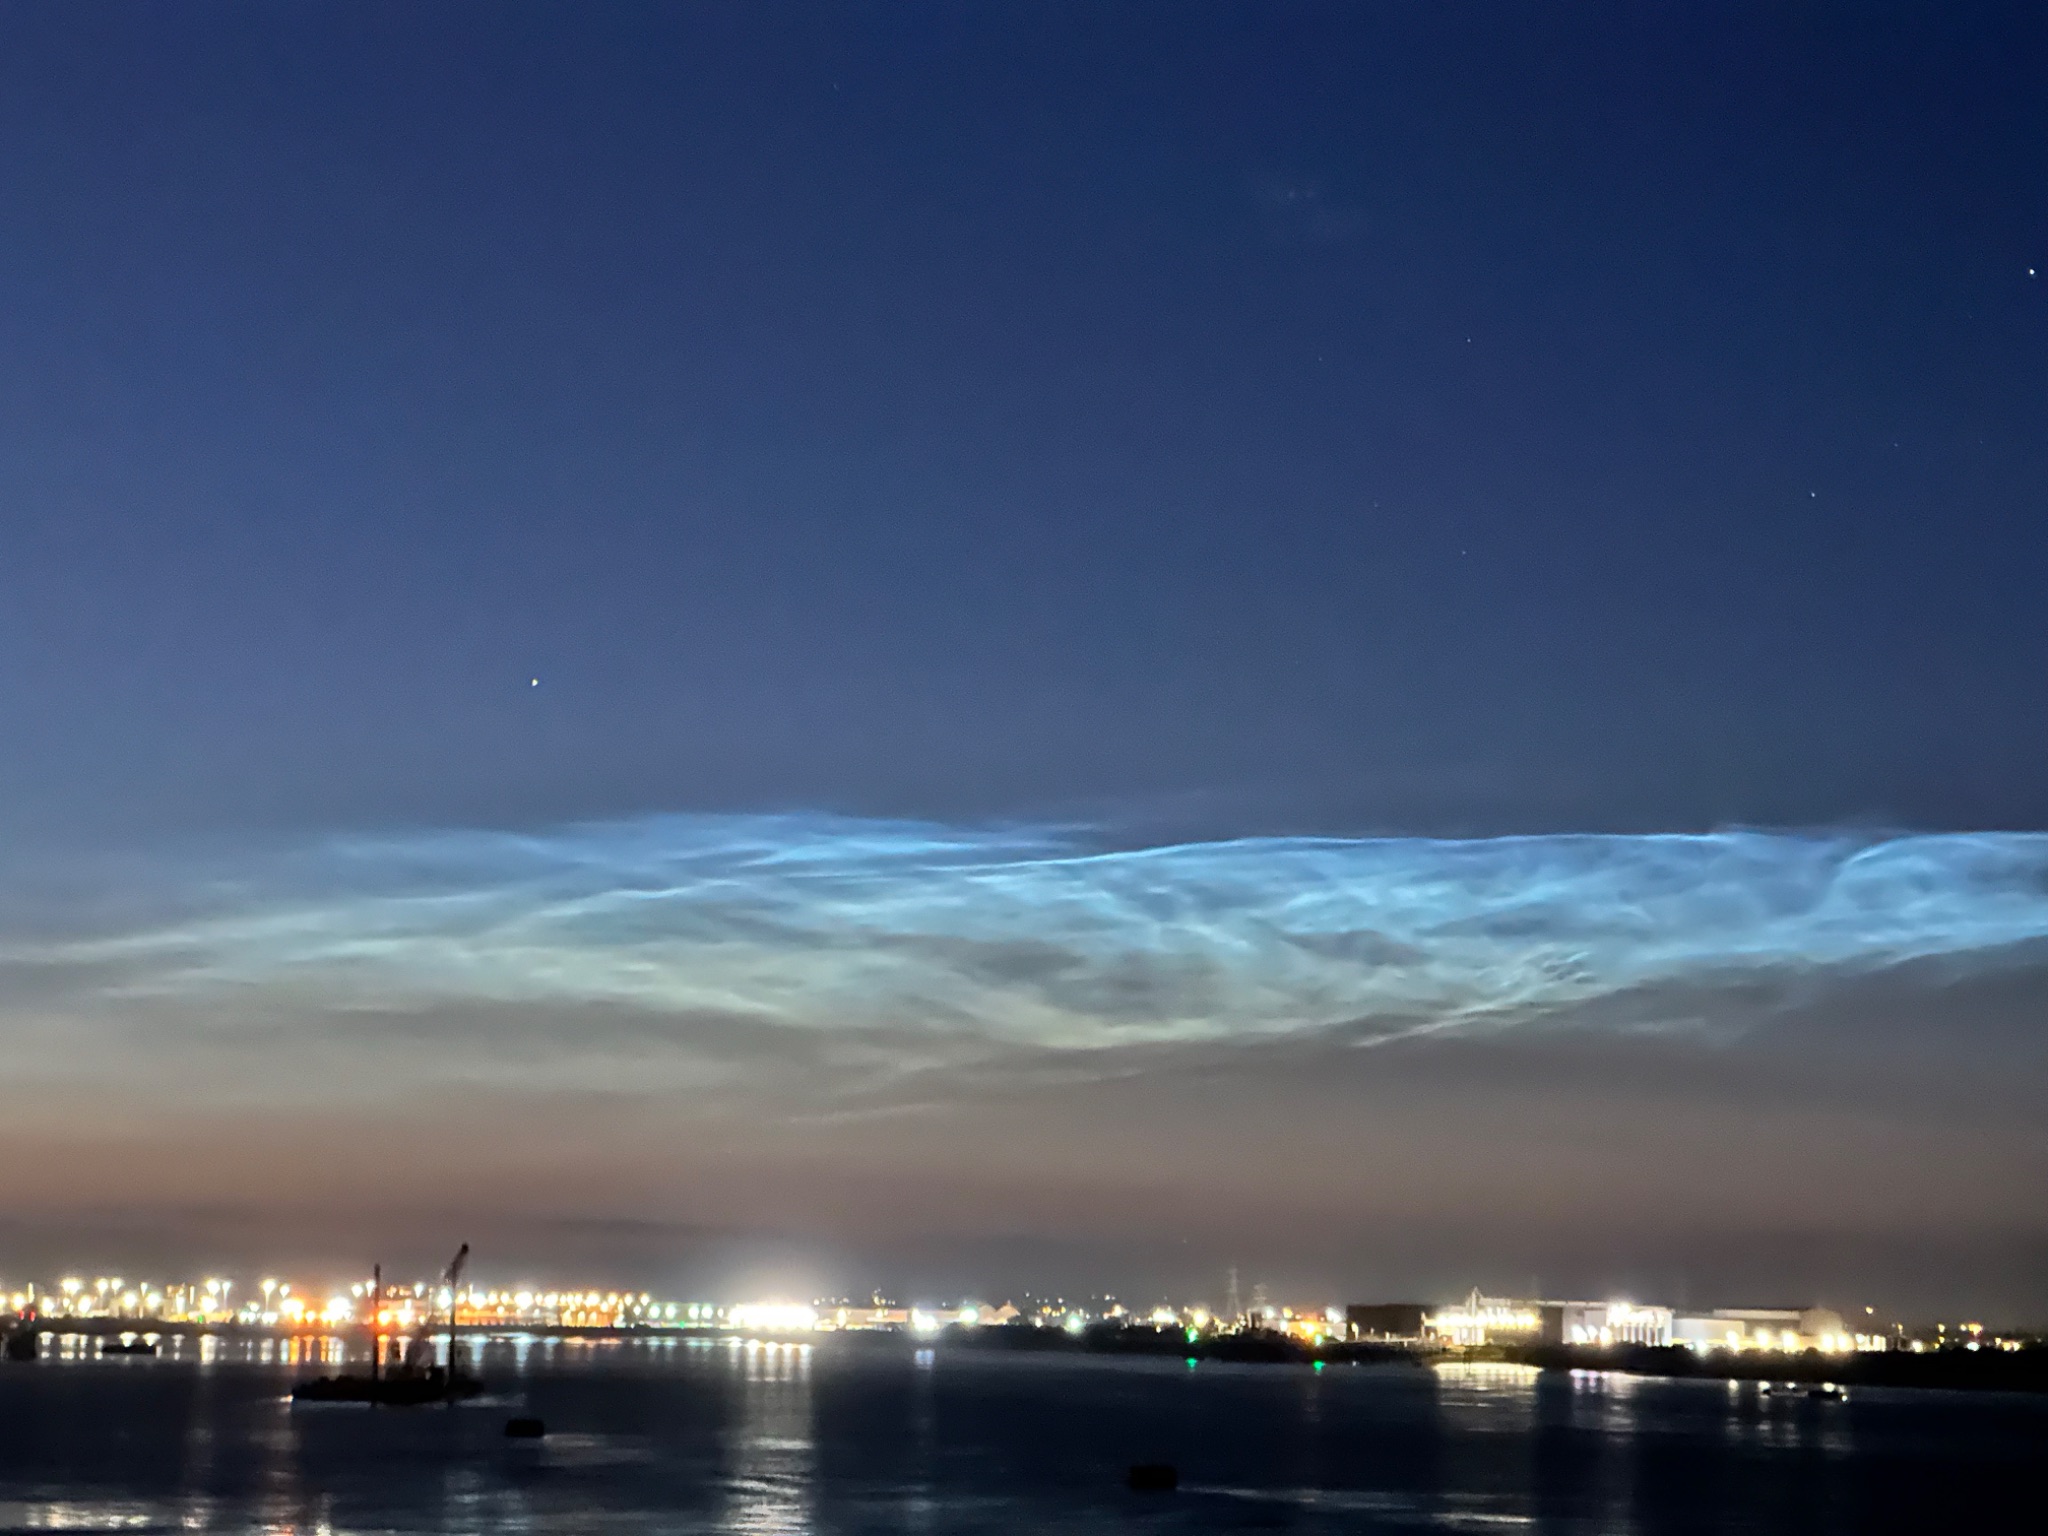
[(1956, 1369)]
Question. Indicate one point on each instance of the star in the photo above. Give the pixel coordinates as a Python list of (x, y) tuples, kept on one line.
[(535, 683)]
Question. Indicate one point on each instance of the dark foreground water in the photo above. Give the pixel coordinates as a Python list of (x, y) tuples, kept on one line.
[(696, 1436)]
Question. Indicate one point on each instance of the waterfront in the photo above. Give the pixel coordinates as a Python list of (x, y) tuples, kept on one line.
[(682, 1436)]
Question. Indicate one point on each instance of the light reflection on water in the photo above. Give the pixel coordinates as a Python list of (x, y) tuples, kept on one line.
[(67, 1515), (769, 1473), (696, 1436)]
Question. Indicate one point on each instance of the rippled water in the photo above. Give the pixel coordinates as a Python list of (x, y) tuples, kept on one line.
[(694, 1436)]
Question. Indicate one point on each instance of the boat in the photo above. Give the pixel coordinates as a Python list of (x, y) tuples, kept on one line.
[(391, 1389), (1826, 1392), (21, 1344), (127, 1347), (404, 1385)]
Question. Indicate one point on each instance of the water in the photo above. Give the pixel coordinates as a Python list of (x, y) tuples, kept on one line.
[(677, 1436)]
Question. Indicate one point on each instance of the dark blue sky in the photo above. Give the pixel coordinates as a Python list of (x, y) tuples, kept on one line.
[(1218, 417), (935, 459)]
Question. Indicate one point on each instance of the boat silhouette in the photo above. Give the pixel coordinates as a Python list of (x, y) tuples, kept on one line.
[(407, 1384), (404, 1387)]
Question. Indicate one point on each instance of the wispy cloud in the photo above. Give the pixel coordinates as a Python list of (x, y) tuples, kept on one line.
[(1040, 938), (881, 1029)]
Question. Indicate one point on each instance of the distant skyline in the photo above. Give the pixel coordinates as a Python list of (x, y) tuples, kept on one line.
[(900, 643)]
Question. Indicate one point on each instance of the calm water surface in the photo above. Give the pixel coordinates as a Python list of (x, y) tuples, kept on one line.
[(703, 1436)]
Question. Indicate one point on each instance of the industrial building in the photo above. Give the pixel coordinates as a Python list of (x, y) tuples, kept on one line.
[(1602, 1324), (1501, 1320), (1779, 1328)]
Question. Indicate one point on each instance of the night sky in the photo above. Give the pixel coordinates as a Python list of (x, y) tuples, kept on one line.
[(979, 646)]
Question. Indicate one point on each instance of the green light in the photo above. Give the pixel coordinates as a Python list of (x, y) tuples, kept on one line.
[(1319, 1367), (1191, 1362), (1192, 1335)]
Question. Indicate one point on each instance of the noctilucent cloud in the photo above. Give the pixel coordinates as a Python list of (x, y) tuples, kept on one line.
[(1037, 939), (961, 1056)]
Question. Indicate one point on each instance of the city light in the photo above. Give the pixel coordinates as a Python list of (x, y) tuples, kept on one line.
[(1480, 1327), (774, 1317)]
